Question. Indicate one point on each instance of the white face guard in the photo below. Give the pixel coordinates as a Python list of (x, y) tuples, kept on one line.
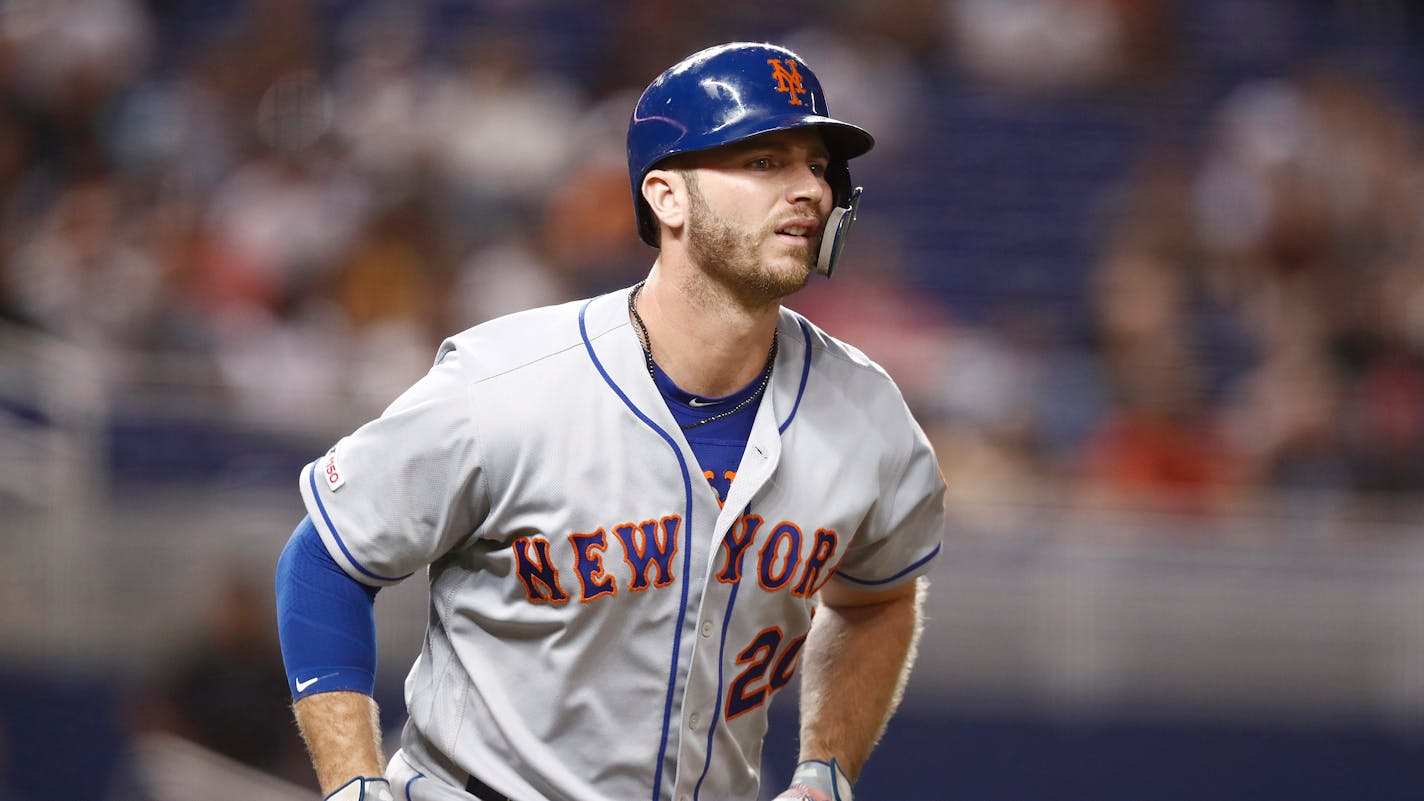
[(837, 228)]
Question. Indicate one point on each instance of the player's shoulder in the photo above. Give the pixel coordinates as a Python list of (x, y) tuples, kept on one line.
[(517, 340), (845, 381), (831, 353), (855, 393)]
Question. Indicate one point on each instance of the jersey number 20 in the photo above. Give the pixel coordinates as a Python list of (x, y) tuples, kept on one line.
[(744, 694)]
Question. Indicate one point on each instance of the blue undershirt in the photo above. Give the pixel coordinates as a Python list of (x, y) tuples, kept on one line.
[(718, 445)]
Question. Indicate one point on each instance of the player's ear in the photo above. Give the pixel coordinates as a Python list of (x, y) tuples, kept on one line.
[(666, 194)]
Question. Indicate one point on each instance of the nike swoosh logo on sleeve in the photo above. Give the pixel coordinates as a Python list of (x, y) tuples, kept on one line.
[(303, 685)]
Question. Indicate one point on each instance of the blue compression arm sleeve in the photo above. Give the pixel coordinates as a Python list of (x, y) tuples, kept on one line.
[(325, 619)]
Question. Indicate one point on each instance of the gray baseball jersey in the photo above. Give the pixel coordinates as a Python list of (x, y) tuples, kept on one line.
[(602, 627)]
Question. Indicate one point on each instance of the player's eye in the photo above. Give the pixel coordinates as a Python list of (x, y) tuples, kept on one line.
[(818, 169), (762, 163)]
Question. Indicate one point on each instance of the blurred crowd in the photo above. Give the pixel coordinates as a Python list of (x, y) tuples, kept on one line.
[(292, 202)]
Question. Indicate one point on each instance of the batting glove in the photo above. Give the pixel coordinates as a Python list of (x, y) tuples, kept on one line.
[(815, 780), (362, 789)]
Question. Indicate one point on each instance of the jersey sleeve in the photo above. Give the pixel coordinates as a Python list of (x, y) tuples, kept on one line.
[(900, 538), (404, 489)]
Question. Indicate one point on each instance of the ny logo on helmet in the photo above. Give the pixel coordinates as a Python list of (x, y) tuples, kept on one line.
[(788, 78)]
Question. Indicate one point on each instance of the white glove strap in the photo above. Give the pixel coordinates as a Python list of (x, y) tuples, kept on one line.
[(824, 776), (362, 789)]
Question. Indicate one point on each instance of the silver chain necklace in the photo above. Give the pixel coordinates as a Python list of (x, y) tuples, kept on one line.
[(647, 343)]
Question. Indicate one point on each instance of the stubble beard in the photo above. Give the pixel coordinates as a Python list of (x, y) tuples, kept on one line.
[(730, 256)]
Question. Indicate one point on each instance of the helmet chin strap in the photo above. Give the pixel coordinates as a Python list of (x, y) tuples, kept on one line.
[(837, 229)]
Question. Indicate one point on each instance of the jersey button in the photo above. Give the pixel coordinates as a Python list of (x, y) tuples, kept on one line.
[(693, 720), (706, 628)]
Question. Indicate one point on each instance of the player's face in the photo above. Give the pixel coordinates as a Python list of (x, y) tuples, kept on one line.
[(757, 210)]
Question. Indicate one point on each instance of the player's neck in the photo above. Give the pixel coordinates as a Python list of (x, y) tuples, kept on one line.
[(706, 343)]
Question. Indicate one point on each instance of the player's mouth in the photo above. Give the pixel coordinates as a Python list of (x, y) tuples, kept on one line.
[(800, 231)]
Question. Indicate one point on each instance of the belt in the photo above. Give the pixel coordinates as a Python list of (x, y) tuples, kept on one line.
[(483, 791)]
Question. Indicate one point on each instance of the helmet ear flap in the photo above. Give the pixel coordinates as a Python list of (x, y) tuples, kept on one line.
[(838, 176), (837, 231), (838, 224)]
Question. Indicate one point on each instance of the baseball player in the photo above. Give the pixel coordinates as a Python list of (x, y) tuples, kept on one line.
[(642, 514)]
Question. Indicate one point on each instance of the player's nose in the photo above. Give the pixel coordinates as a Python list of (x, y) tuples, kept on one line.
[(806, 184)]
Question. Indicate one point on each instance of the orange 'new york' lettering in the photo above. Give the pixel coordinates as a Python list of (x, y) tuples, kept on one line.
[(588, 556), (821, 553), (649, 549), (734, 545), (540, 576)]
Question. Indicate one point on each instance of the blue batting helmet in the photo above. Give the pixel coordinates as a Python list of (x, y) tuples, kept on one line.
[(732, 92)]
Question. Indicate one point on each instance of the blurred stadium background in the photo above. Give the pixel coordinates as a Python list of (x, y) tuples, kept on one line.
[(1150, 271)]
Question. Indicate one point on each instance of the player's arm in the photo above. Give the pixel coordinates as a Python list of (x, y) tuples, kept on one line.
[(326, 624), (343, 735), (856, 661)]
